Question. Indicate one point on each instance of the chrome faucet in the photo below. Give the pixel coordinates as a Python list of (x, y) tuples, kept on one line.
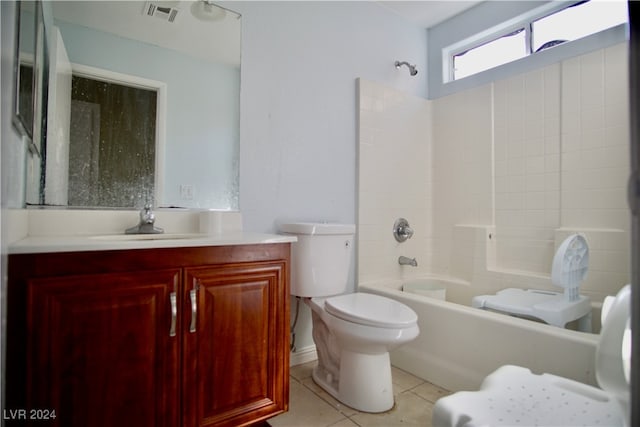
[(401, 230), (146, 224), (403, 260)]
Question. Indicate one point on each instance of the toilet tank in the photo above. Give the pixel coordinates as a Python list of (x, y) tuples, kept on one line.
[(321, 258)]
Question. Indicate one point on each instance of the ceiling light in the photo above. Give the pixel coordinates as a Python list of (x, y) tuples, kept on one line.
[(205, 10)]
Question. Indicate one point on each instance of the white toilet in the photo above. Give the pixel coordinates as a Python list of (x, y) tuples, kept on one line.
[(353, 332)]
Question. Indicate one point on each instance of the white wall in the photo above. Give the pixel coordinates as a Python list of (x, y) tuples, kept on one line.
[(300, 61)]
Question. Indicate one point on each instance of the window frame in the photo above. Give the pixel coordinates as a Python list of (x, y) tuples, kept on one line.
[(496, 32)]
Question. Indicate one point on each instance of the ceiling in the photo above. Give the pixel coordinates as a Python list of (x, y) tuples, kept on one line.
[(197, 38), (218, 41), (430, 12)]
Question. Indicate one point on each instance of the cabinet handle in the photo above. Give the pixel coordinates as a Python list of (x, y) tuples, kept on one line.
[(194, 309), (174, 313)]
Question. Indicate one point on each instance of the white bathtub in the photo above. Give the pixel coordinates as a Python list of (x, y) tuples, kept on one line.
[(459, 345)]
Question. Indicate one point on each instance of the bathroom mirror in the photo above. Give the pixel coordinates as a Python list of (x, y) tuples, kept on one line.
[(143, 105), (26, 86)]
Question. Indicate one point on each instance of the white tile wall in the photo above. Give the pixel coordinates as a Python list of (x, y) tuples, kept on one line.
[(462, 168), (394, 180), (527, 181), (528, 160), (595, 140)]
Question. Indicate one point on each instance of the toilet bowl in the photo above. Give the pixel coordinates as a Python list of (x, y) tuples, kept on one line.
[(353, 332), (353, 344)]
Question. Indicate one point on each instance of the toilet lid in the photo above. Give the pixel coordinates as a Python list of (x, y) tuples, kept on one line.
[(372, 310)]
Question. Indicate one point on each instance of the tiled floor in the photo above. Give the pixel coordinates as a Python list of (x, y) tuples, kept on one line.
[(310, 406)]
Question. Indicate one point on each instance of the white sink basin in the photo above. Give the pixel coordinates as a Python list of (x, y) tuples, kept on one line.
[(137, 237)]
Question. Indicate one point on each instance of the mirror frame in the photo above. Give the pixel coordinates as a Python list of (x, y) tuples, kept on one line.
[(19, 121)]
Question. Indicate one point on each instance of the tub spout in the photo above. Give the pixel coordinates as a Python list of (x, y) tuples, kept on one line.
[(403, 260)]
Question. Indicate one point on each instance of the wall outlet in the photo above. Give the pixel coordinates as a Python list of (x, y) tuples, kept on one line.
[(186, 192)]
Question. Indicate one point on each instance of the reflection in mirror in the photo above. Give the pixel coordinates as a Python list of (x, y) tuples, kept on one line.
[(112, 143), (180, 154), (24, 77), (25, 48)]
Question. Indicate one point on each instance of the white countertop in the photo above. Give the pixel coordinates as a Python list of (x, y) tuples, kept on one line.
[(44, 244)]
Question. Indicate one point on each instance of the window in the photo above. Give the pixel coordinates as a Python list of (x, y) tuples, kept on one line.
[(542, 29), (491, 54), (577, 21)]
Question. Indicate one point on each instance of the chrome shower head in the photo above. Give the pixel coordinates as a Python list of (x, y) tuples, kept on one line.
[(412, 68)]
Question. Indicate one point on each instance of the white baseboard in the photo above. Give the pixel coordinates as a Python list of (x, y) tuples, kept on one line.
[(303, 355)]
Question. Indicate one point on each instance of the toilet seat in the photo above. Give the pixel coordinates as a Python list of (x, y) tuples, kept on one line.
[(371, 310)]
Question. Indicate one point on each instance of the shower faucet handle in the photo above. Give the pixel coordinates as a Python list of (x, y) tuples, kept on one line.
[(401, 230)]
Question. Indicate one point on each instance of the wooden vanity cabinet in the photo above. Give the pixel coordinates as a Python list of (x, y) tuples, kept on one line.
[(235, 323), (100, 341), (155, 337)]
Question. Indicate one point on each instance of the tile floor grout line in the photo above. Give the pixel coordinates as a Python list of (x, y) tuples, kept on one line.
[(418, 391)]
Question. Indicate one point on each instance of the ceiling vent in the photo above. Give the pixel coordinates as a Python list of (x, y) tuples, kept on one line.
[(161, 10)]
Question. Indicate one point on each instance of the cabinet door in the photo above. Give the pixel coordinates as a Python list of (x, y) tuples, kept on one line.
[(101, 350), (236, 355)]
